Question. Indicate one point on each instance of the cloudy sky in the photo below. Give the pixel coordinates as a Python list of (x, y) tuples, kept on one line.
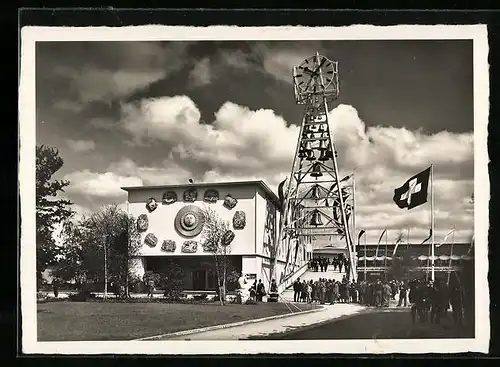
[(149, 113)]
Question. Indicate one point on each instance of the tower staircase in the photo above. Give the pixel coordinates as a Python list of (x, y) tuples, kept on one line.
[(316, 201)]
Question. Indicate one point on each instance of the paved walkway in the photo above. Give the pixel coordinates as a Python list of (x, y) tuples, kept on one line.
[(329, 312)]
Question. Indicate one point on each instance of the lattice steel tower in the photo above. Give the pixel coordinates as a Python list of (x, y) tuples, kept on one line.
[(317, 202)]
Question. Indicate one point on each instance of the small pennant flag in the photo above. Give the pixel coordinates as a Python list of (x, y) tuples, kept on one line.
[(428, 238), (382, 235), (346, 178), (398, 241), (445, 237), (472, 241), (361, 233), (414, 191), (281, 194)]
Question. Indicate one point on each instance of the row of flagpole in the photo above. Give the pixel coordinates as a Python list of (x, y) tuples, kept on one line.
[(399, 240)]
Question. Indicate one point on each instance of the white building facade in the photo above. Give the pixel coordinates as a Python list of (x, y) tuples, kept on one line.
[(171, 227)]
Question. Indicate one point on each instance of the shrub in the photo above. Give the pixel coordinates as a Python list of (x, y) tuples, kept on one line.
[(40, 296), (82, 296), (173, 288), (136, 285), (200, 297)]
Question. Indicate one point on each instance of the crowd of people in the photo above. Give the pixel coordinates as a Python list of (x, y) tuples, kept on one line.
[(321, 264), (428, 300)]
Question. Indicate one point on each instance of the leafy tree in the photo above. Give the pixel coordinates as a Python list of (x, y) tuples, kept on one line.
[(50, 210), (214, 229), (69, 268), (108, 232), (115, 234)]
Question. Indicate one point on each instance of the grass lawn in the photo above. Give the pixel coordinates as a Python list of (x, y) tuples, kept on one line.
[(90, 321)]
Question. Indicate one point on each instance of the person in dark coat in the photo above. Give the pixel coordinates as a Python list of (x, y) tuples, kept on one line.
[(347, 267), (261, 291), (414, 296), (55, 287), (296, 290), (403, 289), (378, 293), (253, 291), (362, 293), (329, 292), (303, 291)]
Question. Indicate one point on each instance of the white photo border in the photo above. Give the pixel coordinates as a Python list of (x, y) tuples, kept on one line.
[(27, 117)]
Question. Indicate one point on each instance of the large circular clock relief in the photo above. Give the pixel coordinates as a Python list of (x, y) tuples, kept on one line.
[(189, 221)]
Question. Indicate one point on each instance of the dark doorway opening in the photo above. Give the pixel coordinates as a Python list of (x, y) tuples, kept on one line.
[(199, 279)]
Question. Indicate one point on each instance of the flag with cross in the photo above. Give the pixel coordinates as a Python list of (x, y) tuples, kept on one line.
[(414, 191)]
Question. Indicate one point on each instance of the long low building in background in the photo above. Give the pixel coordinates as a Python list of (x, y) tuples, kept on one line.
[(379, 261)]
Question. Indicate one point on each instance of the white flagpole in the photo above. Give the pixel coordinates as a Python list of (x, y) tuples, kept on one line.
[(354, 218), (407, 250), (408, 239), (385, 259), (432, 222), (451, 254), (365, 255)]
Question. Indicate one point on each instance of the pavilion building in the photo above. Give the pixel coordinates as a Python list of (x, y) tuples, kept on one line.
[(170, 220)]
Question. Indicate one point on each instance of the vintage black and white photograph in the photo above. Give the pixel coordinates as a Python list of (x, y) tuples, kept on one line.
[(290, 191)]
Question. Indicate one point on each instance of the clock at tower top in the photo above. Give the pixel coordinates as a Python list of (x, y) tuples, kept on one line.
[(315, 74)]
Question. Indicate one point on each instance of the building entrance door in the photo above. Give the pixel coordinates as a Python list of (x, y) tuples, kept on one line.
[(199, 280)]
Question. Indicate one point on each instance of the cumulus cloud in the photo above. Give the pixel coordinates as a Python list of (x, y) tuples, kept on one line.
[(101, 185), (81, 145), (164, 173), (245, 144), (239, 142)]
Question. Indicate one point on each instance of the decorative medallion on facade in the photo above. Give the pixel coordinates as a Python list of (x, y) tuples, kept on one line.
[(239, 219), (211, 196), (209, 246), (189, 246), (169, 197), (227, 238), (142, 223), (190, 195), (151, 204), (151, 240), (189, 221), (168, 246), (230, 202)]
